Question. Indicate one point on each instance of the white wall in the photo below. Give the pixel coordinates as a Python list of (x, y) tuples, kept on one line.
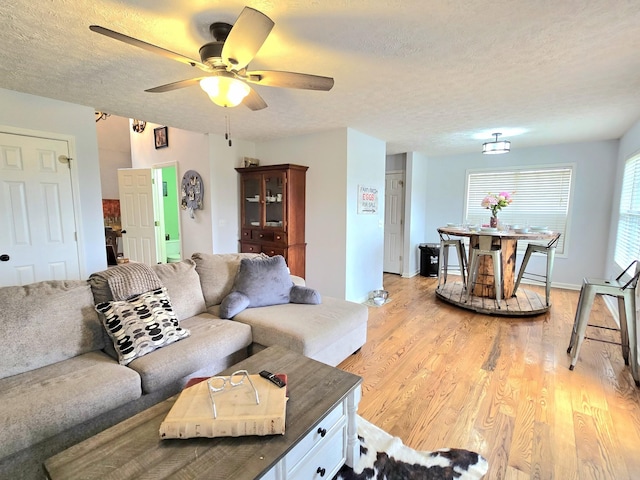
[(365, 233), (114, 152), (191, 152), (225, 188), (325, 154), (41, 115), (415, 229), (344, 250), (587, 238)]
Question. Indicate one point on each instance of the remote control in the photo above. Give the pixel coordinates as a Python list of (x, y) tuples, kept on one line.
[(272, 378)]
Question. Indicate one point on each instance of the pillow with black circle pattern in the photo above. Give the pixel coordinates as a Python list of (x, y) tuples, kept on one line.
[(141, 324)]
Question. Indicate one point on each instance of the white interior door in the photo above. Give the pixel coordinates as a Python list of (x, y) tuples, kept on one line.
[(393, 214), (137, 195), (38, 231)]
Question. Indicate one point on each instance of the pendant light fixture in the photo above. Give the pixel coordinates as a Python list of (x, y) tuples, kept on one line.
[(497, 146)]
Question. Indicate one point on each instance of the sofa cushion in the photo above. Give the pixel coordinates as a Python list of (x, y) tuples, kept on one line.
[(262, 280), (183, 287), (141, 324), (41, 403), (217, 273), (211, 339), (328, 332), (36, 317)]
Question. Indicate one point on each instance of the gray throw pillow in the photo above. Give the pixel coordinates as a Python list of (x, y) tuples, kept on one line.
[(264, 281), (233, 304), (300, 294)]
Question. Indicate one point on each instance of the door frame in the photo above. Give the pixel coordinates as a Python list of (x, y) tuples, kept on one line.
[(75, 182), (157, 167)]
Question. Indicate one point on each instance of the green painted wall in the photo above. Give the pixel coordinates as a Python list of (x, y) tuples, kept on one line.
[(170, 203)]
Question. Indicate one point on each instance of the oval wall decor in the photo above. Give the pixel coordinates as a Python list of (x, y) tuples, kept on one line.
[(192, 192)]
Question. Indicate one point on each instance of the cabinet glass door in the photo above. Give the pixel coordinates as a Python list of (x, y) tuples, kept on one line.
[(274, 200), (251, 191)]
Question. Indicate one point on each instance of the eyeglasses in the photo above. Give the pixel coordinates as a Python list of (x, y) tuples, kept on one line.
[(236, 379)]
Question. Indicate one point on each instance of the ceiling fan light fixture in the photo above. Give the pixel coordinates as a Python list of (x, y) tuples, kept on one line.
[(225, 91), (497, 146)]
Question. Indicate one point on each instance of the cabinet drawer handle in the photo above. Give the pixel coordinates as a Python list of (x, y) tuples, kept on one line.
[(322, 431), (261, 235), (278, 237), (321, 471)]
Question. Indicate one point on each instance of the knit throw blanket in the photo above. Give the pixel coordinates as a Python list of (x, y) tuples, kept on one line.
[(384, 457), (130, 279)]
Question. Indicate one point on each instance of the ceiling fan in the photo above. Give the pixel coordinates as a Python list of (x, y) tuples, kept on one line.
[(225, 61)]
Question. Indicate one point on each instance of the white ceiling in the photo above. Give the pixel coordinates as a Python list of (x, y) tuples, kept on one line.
[(423, 75)]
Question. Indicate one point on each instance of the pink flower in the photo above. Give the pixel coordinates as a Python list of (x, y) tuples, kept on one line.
[(495, 203), (489, 201)]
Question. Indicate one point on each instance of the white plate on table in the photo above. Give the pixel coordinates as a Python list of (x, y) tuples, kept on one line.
[(539, 229), (488, 229)]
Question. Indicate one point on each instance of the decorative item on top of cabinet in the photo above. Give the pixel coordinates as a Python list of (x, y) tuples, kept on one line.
[(272, 213)]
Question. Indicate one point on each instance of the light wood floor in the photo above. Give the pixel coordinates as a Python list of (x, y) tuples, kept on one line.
[(438, 376)]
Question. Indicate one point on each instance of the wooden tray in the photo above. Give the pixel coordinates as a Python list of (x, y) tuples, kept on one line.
[(238, 415)]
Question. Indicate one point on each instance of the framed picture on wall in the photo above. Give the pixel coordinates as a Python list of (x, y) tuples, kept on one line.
[(161, 137)]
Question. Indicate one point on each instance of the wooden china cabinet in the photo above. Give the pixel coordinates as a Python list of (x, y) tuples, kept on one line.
[(272, 213)]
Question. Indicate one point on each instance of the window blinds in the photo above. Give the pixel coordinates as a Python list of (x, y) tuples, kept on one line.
[(541, 197), (628, 239)]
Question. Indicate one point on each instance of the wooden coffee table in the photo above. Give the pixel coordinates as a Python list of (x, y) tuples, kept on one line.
[(320, 435)]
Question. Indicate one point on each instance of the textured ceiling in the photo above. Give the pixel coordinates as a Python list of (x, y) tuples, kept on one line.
[(425, 75)]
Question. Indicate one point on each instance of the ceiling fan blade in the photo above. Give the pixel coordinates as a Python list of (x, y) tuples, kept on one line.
[(246, 37), (175, 85), (254, 101), (290, 80), (149, 47)]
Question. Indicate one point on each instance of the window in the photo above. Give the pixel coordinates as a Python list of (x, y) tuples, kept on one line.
[(541, 197), (628, 240)]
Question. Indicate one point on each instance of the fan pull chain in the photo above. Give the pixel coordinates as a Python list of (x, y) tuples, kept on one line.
[(227, 134)]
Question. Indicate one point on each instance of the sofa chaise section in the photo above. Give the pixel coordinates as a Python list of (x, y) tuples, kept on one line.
[(328, 332)]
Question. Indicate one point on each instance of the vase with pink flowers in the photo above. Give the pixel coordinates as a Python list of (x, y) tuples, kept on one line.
[(495, 203)]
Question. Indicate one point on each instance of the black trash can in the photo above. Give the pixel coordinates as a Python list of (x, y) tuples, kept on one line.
[(429, 259)]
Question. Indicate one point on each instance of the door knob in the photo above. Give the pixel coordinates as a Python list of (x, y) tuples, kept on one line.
[(4, 257)]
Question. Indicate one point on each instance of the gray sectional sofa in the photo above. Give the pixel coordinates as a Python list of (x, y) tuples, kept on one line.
[(60, 379)]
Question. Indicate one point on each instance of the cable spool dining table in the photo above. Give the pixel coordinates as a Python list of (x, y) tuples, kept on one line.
[(524, 302)]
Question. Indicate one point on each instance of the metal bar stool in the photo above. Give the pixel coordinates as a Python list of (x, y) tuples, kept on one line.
[(626, 294), (486, 247), (443, 260), (550, 251)]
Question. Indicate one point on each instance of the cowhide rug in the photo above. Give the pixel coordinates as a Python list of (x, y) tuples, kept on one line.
[(383, 457)]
